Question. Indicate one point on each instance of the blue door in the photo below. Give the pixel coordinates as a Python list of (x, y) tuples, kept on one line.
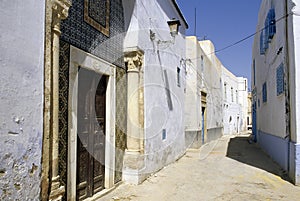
[(254, 127), (203, 126)]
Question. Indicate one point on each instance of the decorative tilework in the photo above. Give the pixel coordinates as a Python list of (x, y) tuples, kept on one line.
[(280, 80), (97, 14), (121, 108), (81, 34), (64, 55)]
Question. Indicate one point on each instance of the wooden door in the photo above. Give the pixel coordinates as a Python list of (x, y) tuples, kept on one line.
[(91, 133)]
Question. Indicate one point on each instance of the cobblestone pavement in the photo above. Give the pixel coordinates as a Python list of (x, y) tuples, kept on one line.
[(227, 169)]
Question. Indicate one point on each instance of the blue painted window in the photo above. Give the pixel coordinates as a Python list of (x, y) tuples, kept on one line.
[(254, 72), (268, 32), (164, 134), (272, 23), (264, 92), (261, 43), (280, 79)]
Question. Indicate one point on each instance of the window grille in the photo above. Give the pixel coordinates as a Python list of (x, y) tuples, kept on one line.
[(280, 79)]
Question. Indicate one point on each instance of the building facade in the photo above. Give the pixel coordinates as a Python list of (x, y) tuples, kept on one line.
[(155, 59), (243, 101), (249, 114), (275, 83), (234, 103), (203, 98), (108, 95), (216, 100)]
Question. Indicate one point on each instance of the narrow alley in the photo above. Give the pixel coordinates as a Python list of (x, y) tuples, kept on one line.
[(226, 169), (149, 100)]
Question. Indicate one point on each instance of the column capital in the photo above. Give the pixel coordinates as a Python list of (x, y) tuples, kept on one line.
[(60, 11), (61, 8), (134, 60)]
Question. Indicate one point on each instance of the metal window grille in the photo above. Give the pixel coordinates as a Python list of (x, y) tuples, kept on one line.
[(280, 79)]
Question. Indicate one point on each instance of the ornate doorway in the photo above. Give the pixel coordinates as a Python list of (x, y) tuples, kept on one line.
[(91, 133)]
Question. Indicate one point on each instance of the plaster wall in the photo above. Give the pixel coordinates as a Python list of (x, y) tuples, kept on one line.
[(21, 96), (163, 96)]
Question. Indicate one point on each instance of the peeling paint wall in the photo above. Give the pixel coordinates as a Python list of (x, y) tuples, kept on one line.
[(21, 98)]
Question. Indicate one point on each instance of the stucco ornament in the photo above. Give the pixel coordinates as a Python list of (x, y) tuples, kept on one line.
[(61, 8), (134, 60)]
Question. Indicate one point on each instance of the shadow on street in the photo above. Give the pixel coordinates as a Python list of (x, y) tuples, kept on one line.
[(241, 150)]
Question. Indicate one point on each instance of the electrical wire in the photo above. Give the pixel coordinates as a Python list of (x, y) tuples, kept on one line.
[(247, 37)]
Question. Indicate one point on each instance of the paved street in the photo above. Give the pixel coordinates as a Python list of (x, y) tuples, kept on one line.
[(226, 169)]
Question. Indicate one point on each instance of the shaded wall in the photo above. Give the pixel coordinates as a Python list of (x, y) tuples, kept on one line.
[(21, 95)]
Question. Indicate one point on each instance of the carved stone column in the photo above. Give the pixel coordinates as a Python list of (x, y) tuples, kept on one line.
[(60, 10), (134, 158), (134, 62)]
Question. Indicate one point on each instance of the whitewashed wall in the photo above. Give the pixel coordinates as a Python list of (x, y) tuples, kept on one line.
[(211, 83), (21, 98), (193, 84), (243, 101), (270, 115), (159, 57), (293, 33), (277, 131), (203, 74), (294, 52), (232, 109)]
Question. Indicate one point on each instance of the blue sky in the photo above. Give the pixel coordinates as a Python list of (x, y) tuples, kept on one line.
[(225, 22)]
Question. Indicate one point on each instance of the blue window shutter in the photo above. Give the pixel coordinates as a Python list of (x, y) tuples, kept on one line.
[(272, 23), (267, 29), (264, 92), (262, 49), (280, 79)]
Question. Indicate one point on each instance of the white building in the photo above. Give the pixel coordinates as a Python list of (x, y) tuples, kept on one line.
[(65, 90), (233, 116), (243, 101), (276, 85), (203, 101), (216, 100), (156, 67)]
